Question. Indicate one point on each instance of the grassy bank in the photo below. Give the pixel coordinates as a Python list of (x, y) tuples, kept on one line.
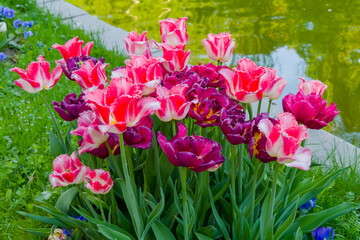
[(25, 162)]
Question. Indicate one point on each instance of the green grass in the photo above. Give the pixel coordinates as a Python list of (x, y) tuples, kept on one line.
[(25, 162)]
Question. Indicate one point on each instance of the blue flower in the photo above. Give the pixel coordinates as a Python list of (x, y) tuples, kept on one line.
[(323, 234), (2, 56), (71, 230), (8, 12), (27, 25), (310, 204), (28, 34), (1, 11), (17, 23)]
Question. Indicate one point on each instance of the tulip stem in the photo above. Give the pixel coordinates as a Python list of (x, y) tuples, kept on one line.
[(273, 192), (253, 191), (87, 203), (113, 160), (185, 217), (289, 184), (232, 186), (101, 208), (240, 170), (173, 126), (269, 106), (249, 108), (157, 161), (259, 106), (53, 119)]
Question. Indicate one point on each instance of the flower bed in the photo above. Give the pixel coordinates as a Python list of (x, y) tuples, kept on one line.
[(237, 174)]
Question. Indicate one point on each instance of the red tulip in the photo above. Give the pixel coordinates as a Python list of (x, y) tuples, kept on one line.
[(137, 44), (67, 170), (100, 181), (176, 58), (283, 141), (173, 103), (120, 105), (313, 86), (91, 76), (243, 83), (219, 47), (73, 48), (271, 85), (174, 31), (37, 76)]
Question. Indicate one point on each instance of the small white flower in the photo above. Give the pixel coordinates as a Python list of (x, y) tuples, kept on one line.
[(3, 27)]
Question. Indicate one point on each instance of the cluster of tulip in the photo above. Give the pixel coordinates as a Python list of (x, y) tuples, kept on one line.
[(113, 117)]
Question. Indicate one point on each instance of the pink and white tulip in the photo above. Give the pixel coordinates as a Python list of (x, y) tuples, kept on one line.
[(37, 76), (68, 170), (91, 76), (243, 83), (145, 72), (73, 48), (219, 47), (100, 181), (313, 86), (173, 103), (137, 44), (89, 129), (271, 85), (175, 58), (120, 105), (174, 31), (284, 139)]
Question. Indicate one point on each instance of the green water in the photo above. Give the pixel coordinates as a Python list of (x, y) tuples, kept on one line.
[(312, 39)]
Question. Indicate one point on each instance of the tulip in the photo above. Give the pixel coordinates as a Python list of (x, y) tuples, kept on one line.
[(219, 47), (174, 31), (140, 136), (173, 103), (67, 170), (3, 27), (37, 76), (210, 71), (89, 129), (146, 72), (233, 125), (271, 85), (58, 234), (73, 48), (207, 110), (283, 141), (257, 141), (313, 86), (73, 64), (70, 108), (175, 58), (100, 181), (91, 76), (243, 83), (120, 105), (321, 233), (137, 44), (310, 110), (195, 152)]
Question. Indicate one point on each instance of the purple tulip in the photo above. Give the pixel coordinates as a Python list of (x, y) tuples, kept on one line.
[(73, 64), (102, 151), (8, 12), (321, 233), (17, 23), (233, 125), (195, 152), (210, 103), (140, 136), (257, 141), (70, 108), (211, 72), (310, 110)]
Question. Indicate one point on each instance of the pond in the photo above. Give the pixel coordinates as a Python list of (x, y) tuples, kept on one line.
[(299, 38)]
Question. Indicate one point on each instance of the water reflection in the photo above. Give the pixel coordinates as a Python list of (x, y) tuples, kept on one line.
[(300, 38)]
